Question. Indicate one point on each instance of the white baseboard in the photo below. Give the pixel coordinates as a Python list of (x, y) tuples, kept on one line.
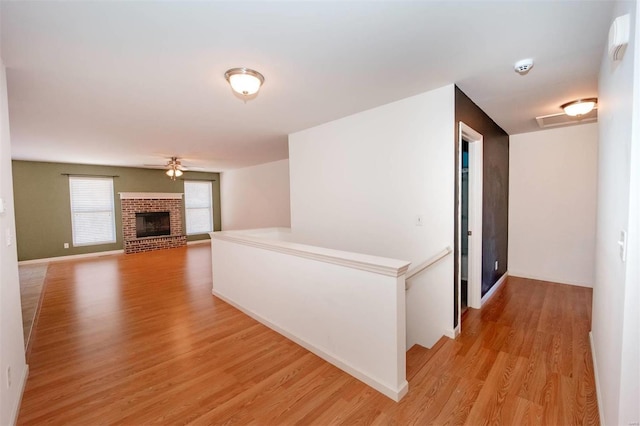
[(207, 241), (88, 255), (597, 379), (16, 407), (70, 257), (452, 333), (493, 289), (395, 394), (456, 332), (548, 279)]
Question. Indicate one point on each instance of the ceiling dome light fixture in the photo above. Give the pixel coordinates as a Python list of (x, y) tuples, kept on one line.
[(244, 81), (579, 107)]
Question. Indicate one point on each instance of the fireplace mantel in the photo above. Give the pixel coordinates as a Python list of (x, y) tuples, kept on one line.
[(150, 195)]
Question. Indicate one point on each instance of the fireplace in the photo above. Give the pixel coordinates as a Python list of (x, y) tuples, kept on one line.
[(153, 224), (151, 221)]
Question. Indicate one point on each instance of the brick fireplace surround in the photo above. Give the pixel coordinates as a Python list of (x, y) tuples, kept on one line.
[(143, 202)]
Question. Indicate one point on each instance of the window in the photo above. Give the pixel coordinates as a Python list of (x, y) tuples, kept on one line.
[(92, 214), (198, 207)]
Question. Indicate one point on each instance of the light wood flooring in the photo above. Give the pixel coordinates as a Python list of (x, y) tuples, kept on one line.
[(139, 339)]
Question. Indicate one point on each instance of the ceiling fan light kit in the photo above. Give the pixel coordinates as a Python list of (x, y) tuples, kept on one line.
[(174, 168), (174, 172)]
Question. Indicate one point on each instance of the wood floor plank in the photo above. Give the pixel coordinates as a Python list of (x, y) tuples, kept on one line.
[(139, 339), (490, 404)]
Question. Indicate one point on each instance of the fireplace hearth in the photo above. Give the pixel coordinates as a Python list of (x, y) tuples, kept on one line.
[(151, 221)]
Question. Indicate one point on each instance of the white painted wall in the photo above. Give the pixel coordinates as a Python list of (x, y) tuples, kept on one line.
[(347, 308), (359, 183), (630, 375), (552, 204), (615, 322), (11, 339), (255, 197)]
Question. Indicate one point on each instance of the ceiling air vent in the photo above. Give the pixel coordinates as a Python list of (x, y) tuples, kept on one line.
[(562, 119)]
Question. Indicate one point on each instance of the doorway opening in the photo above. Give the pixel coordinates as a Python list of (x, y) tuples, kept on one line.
[(464, 228), (469, 212)]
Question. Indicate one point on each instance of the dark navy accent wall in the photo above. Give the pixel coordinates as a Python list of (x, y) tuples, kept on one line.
[(495, 197)]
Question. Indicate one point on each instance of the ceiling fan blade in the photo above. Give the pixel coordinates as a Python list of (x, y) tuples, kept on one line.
[(174, 162)]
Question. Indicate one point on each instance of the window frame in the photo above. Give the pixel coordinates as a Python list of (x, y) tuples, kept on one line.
[(209, 207), (74, 230)]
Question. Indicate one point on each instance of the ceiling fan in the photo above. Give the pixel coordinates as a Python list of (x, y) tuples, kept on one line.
[(174, 168)]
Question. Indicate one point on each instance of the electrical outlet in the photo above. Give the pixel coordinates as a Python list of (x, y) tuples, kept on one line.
[(66, 245), (8, 377), (495, 266)]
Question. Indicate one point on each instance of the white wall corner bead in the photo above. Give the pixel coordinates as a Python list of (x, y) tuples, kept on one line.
[(150, 195), (618, 37)]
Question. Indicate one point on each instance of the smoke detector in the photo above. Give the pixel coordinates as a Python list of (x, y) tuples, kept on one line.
[(522, 67)]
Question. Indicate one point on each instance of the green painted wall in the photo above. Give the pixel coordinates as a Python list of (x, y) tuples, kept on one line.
[(42, 205)]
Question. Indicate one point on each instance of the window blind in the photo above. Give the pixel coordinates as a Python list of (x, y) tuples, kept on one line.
[(92, 210), (198, 207)]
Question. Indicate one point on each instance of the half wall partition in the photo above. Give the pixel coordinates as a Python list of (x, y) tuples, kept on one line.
[(347, 308)]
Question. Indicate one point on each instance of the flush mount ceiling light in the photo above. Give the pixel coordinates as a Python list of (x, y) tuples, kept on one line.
[(244, 81), (579, 107)]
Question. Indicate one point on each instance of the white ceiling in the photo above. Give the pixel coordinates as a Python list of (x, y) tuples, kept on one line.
[(130, 83)]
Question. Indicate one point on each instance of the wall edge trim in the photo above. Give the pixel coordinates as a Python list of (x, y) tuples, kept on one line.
[(16, 407), (494, 288), (548, 279), (70, 257), (205, 241), (452, 333)]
